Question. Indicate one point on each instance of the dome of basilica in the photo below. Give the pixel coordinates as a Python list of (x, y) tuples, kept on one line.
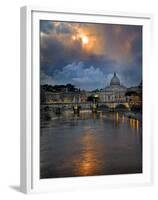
[(115, 80)]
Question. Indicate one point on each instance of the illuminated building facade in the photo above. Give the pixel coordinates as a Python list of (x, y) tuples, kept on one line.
[(115, 92)]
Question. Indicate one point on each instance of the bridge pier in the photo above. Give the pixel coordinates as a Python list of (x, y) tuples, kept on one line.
[(94, 108), (76, 109), (58, 111)]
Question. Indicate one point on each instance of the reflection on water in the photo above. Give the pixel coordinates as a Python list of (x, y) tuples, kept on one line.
[(87, 164), (89, 144)]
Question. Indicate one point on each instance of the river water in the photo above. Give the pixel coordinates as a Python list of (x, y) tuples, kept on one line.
[(89, 144)]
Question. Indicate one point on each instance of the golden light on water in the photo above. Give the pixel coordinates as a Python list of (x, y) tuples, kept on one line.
[(134, 123), (117, 116), (123, 119), (88, 163), (137, 124)]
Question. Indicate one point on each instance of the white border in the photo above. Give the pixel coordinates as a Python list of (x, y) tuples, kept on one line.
[(30, 181)]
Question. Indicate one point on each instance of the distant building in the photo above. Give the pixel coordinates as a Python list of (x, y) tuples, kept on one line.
[(134, 95), (115, 92), (136, 89)]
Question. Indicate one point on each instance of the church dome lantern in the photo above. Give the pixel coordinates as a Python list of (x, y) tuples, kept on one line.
[(115, 80)]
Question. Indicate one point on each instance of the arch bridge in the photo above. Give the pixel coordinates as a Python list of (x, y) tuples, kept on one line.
[(88, 105)]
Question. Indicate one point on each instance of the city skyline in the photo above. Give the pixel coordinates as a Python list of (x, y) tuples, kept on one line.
[(107, 83), (86, 55)]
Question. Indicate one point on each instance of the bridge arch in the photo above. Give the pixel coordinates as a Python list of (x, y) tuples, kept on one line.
[(121, 106)]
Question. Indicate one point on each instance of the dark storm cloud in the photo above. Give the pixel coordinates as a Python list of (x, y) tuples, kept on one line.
[(55, 55), (119, 50), (123, 42), (54, 27), (137, 49), (46, 26)]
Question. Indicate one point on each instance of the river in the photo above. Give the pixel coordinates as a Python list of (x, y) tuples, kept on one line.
[(89, 144)]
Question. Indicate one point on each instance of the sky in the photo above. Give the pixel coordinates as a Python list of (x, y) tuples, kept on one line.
[(87, 54)]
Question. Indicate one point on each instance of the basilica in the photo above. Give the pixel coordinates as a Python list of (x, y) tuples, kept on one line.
[(115, 92), (118, 93)]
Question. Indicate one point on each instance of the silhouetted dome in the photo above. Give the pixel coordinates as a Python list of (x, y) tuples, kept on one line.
[(115, 80)]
